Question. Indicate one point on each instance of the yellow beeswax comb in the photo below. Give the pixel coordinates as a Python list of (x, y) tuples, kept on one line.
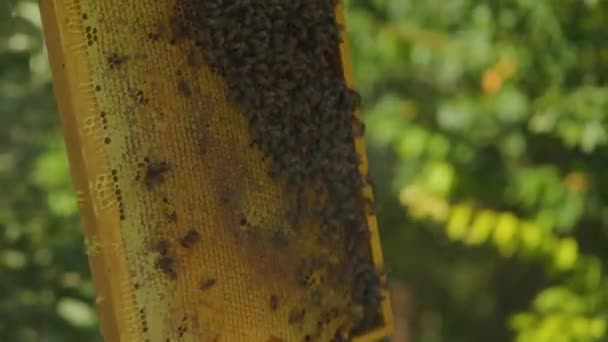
[(218, 158)]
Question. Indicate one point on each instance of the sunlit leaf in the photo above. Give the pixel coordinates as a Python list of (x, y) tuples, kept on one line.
[(76, 312), (567, 253), (481, 228), (459, 221), (504, 233)]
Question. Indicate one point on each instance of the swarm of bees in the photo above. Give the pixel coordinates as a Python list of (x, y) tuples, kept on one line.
[(282, 65)]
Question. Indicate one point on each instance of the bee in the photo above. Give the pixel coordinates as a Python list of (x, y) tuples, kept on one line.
[(181, 330), (274, 302), (310, 271), (316, 297), (154, 36), (172, 216), (179, 30), (280, 238), (296, 316), (115, 59), (298, 213), (183, 87), (194, 59), (339, 337), (154, 173), (370, 207), (162, 247), (275, 171), (366, 292), (167, 264), (326, 317), (208, 283), (359, 128), (190, 239), (137, 96)]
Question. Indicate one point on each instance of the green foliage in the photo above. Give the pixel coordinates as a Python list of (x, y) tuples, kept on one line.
[(492, 116), (487, 138), (46, 291)]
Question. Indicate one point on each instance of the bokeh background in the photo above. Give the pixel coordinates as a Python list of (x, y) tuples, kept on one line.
[(487, 135)]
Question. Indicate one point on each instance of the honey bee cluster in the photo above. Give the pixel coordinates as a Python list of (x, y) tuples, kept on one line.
[(281, 62)]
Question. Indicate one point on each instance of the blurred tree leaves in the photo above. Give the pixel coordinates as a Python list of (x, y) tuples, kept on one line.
[(494, 115), (46, 291)]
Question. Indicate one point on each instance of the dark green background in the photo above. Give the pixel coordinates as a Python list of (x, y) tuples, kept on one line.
[(488, 142)]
